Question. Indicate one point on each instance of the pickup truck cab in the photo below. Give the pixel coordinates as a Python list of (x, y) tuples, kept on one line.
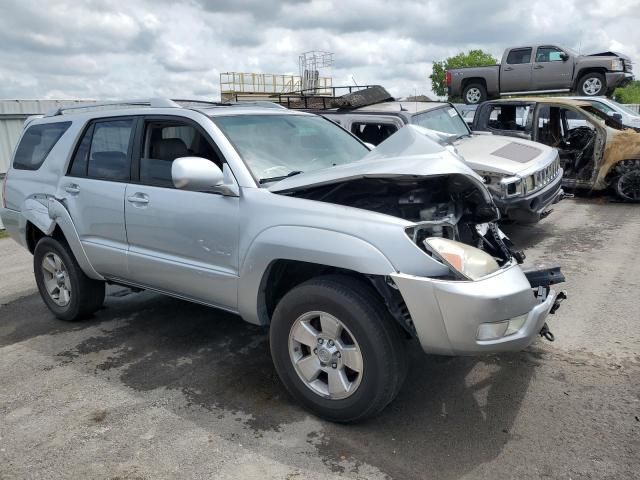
[(543, 69), (286, 220), (508, 166), (596, 150)]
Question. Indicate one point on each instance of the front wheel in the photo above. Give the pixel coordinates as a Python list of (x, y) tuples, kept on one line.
[(474, 93), (592, 85), (627, 184), (336, 348), (63, 286)]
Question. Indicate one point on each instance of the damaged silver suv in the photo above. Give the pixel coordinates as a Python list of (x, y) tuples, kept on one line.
[(285, 219)]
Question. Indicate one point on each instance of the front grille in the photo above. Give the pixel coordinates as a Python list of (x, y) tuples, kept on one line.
[(543, 177)]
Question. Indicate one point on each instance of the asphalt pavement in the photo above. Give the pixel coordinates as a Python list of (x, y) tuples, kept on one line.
[(153, 387)]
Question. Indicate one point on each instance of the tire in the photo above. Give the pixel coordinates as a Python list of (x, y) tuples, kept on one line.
[(367, 327), (474, 93), (84, 295), (627, 184), (591, 85)]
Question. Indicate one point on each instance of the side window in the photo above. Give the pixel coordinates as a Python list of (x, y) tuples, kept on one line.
[(519, 55), (603, 108), (373, 132), (509, 117), (548, 54), (36, 144), (103, 152), (164, 141)]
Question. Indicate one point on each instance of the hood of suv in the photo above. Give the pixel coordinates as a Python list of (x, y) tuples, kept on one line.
[(503, 155), (406, 154)]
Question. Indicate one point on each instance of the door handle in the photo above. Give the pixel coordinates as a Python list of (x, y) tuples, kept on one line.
[(538, 67), (508, 69), (72, 188), (139, 198)]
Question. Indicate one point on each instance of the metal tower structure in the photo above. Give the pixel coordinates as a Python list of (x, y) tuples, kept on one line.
[(311, 65)]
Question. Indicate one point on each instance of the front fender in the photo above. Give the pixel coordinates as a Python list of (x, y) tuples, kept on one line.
[(305, 244)]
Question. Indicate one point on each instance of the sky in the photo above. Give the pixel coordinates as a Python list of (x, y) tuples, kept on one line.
[(112, 49)]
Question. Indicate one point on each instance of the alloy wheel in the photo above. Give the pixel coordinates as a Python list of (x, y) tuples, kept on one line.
[(56, 279), (325, 355), (592, 86)]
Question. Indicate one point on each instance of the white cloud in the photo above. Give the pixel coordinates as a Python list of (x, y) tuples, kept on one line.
[(116, 49)]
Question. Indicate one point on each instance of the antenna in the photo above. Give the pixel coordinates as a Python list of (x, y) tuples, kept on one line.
[(354, 80)]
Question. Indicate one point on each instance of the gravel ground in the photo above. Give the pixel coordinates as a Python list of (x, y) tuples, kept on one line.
[(153, 387)]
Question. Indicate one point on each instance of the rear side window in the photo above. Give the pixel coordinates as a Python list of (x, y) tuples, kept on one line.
[(519, 55), (36, 144), (373, 133), (103, 152)]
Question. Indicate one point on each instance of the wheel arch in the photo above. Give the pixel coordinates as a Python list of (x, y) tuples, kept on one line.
[(307, 252), (586, 70)]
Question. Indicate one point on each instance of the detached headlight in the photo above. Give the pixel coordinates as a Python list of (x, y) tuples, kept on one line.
[(617, 65), (468, 261), (504, 187)]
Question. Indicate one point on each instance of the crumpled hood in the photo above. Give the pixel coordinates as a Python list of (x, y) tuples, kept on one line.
[(608, 54), (503, 155), (407, 153)]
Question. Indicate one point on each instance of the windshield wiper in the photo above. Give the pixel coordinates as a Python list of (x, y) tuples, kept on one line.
[(282, 177)]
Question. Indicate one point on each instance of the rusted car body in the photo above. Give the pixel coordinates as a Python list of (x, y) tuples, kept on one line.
[(596, 150)]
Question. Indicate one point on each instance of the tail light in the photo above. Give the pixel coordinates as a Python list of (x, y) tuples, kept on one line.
[(448, 78), (4, 190)]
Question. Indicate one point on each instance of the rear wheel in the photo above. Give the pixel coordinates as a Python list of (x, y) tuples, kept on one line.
[(474, 93), (592, 84), (62, 284), (336, 348)]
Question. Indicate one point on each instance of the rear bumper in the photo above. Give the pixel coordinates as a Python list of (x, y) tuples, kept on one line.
[(448, 315), (532, 208), (618, 79)]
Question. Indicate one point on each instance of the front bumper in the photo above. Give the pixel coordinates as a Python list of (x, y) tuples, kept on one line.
[(531, 208), (618, 79), (447, 314)]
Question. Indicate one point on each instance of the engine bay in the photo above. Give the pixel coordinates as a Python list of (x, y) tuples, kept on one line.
[(450, 206)]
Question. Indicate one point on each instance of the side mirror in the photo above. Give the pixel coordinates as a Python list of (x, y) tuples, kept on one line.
[(198, 175), (617, 116), (564, 56)]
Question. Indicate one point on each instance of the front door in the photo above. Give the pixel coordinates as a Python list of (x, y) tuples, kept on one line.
[(515, 74), (550, 71), (93, 192), (180, 242)]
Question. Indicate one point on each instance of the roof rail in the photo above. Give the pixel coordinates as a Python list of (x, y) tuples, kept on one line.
[(151, 102)]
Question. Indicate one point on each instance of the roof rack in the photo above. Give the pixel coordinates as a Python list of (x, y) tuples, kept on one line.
[(161, 103), (354, 96), (151, 102)]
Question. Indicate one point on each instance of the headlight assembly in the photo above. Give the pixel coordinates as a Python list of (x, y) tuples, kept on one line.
[(462, 259), (616, 65)]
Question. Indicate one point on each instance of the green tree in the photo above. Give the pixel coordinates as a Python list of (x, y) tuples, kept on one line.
[(628, 94), (475, 58)]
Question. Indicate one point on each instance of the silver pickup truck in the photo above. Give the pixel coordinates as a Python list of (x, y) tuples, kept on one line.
[(544, 69)]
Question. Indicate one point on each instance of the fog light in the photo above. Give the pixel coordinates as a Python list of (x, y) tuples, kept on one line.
[(515, 324), (491, 331)]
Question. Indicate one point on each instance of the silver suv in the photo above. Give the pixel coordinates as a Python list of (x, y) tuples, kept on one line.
[(345, 262)]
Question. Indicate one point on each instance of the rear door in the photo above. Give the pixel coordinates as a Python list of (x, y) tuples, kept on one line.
[(93, 191), (550, 71), (180, 242), (515, 73)]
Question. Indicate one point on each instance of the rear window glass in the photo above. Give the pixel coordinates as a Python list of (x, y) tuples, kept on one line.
[(36, 144), (519, 55)]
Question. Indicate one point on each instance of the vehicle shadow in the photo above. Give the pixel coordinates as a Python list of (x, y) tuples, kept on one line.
[(447, 405)]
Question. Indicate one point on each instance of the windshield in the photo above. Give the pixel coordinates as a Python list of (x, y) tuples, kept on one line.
[(446, 120), (277, 146), (625, 109)]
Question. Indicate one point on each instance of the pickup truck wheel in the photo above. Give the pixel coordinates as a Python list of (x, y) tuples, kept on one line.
[(592, 84), (336, 348), (62, 284), (474, 93)]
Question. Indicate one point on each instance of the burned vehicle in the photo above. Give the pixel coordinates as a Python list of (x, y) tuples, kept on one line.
[(288, 221), (508, 166), (596, 150)]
